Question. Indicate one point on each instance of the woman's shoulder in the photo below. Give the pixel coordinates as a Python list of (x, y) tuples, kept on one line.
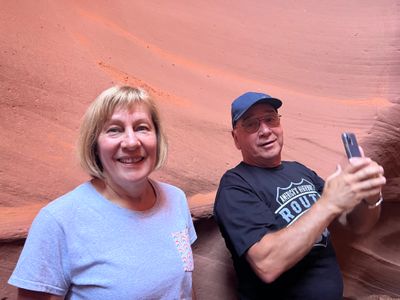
[(167, 187), (68, 201), (171, 193)]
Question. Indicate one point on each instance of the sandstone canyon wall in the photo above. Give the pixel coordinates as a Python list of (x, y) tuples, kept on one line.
[(336, 65)]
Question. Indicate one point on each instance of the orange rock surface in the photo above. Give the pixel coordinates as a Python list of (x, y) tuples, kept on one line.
[(335, 64)]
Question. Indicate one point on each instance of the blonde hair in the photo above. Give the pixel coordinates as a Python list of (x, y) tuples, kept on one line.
[(97, 115)]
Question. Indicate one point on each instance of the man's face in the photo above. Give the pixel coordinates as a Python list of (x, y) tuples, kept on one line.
[(261, 148)]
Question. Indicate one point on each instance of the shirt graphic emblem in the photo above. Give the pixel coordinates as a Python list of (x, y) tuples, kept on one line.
[(294, 200)]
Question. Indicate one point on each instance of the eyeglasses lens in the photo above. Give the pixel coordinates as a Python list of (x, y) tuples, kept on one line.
[(253, 124)]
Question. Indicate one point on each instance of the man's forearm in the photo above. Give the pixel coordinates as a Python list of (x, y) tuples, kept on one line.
[(278, 251), (363, 217)]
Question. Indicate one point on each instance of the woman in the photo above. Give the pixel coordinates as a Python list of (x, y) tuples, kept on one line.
[(121, 235)]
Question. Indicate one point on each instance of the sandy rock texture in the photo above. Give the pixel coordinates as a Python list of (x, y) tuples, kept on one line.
[(335, 64)]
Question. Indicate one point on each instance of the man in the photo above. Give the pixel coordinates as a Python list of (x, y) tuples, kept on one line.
[(274, 214)]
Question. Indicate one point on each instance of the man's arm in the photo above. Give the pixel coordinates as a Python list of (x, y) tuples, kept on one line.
[(364, 216), (278, 251)]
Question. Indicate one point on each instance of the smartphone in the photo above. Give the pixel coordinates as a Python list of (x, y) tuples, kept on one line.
[(350, 144)]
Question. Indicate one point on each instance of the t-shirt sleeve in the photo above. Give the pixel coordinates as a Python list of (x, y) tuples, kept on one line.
[(184, 211), (242, 216), (190, 226), (317, 181), (42, 263)]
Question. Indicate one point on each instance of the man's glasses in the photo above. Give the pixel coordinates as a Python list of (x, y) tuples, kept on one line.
[(252, 125)]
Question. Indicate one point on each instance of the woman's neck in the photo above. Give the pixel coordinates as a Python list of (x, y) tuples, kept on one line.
[(139, 197)]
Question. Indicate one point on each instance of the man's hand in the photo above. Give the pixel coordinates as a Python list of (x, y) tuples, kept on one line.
[(361, 179)]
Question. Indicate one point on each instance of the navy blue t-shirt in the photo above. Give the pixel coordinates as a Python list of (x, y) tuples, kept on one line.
[(252, 202)]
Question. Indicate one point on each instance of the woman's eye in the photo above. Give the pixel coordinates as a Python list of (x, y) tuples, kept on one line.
[(113, 130), (142, 128)]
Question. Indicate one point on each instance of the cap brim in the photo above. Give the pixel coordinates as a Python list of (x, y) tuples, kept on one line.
[(274, 102)]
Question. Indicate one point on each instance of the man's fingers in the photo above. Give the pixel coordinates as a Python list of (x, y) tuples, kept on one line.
[(371, 193), (336, 173), (369, 172), (373, 185), (365, 167), (358, 162)]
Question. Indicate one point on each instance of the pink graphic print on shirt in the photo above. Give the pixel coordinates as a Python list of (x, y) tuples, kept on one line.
[(182, 242)]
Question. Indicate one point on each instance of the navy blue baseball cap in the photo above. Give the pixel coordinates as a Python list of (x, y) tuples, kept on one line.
[(241, 104)]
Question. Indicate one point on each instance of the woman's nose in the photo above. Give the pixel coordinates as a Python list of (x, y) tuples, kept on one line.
[(130, 140)]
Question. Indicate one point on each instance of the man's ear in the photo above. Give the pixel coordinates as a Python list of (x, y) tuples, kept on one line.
[(235, 139)]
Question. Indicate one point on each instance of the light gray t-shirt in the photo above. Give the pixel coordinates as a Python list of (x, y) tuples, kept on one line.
[(85, 247)]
